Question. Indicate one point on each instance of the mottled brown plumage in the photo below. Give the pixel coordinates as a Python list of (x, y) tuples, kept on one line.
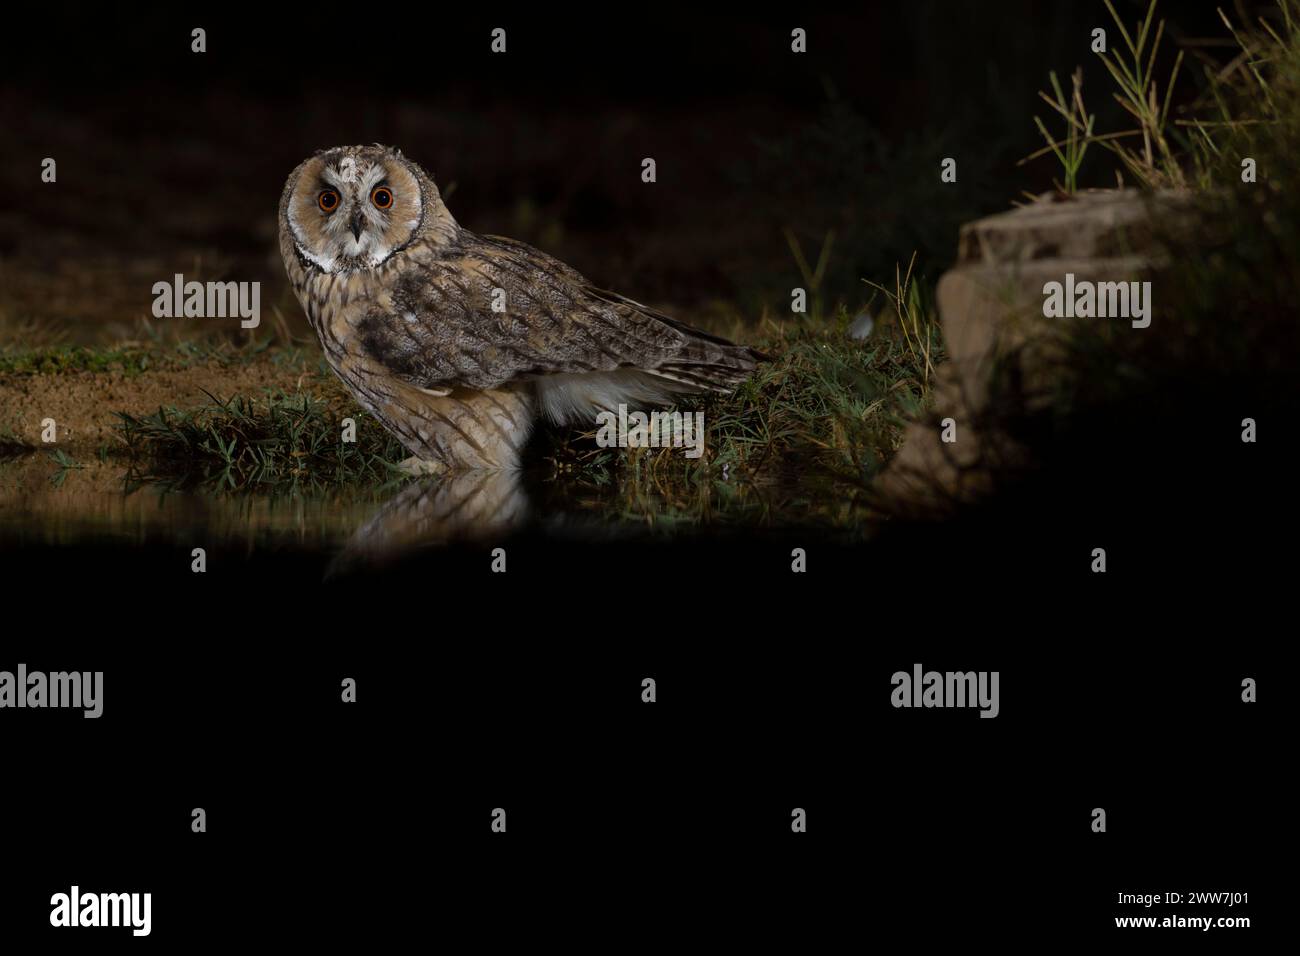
[(458, 342)]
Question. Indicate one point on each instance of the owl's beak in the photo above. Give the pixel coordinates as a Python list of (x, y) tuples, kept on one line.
[(355, 225)]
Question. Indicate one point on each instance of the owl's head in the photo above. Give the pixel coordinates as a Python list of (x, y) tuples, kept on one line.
[(353, 207)]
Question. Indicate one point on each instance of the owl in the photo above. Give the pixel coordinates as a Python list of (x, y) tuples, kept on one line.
[(459, 343)]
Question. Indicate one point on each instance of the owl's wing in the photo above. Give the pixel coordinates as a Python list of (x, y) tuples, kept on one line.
[(491, 310)]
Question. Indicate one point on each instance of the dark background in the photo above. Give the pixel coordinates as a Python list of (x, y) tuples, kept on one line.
[(668, 822), (174, 161), (332, 823)]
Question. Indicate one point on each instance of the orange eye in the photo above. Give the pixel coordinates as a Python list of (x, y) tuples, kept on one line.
[(382, 197), (328, 200)]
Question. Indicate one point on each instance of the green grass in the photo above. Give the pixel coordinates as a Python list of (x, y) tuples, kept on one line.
[(57, 360), (277, 442), (800, 441), (135, 358), (1132, 69), (12, 445), (1158, 153), (66, 464)]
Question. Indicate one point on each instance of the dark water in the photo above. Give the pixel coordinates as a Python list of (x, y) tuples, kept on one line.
[(338, 530)]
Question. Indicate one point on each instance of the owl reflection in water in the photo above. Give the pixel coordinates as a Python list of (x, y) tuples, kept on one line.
[(457, 342)]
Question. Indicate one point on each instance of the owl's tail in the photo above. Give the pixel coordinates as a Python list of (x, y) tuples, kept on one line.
[(704, 362), (709, 363)]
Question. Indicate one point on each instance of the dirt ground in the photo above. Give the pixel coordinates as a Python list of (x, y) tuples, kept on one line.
[(83, 403), (42, 501)]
